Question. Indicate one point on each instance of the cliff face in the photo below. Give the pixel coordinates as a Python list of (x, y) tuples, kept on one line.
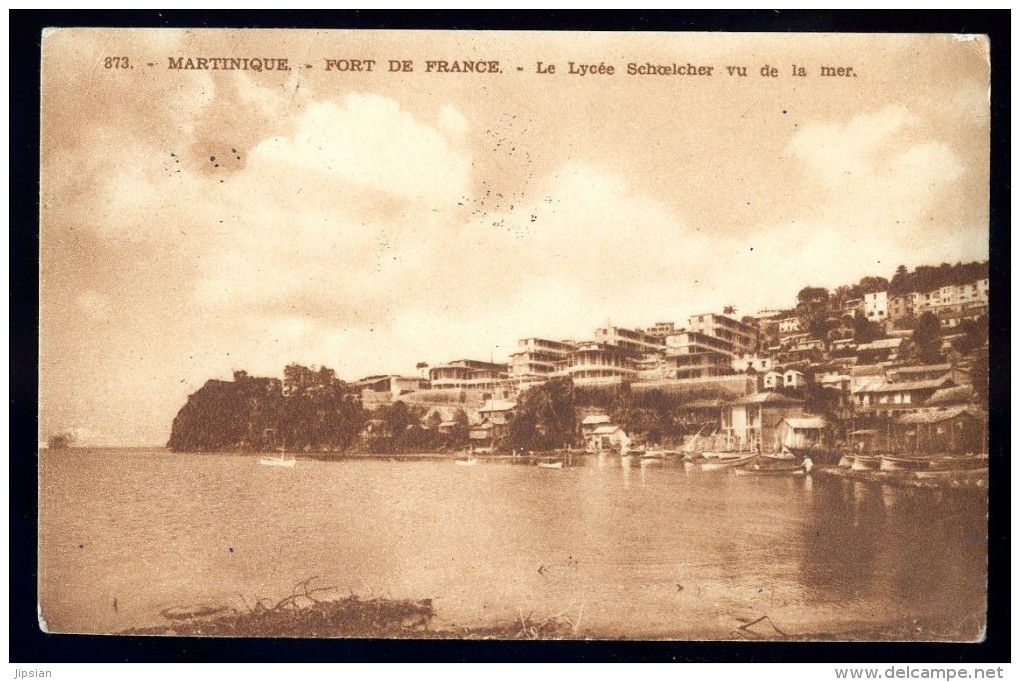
[(226, 415), (253, 413)]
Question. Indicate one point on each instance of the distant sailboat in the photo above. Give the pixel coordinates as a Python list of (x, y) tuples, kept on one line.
[(281, 460)]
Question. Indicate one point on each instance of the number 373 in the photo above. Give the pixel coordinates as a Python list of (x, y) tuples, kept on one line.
[(116, 63)]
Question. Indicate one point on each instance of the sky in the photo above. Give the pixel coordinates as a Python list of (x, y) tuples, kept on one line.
[(198, 222)]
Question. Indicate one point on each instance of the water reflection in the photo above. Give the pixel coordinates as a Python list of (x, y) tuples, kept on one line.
[(621, 536), (903, 546)]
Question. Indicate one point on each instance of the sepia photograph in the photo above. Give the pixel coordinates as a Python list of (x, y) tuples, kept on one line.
[(514, 335)]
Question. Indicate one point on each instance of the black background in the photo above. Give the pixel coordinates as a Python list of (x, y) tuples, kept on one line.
[(29, 644)]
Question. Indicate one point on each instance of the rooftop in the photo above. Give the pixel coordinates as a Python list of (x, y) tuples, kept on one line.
[(606, 430), (882, 386), (497, 406), (881, 344), (951, 395), (933, 417)]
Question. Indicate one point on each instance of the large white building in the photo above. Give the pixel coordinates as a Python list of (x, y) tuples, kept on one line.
[(876, 306), (600, 364), (709, 347), (468, 374), (537, 360)]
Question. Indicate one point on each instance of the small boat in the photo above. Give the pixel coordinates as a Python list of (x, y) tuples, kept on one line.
[(958, 476), (280, 460), (550, 464), (960, 462), (763, 467), (866, 463), (728, 463), (466, 462), (933, 462), (728, 455), (892, 463)]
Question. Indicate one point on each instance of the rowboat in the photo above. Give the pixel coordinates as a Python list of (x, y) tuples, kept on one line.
[(727, 463), (765, 468), (466, 462), (866, 463)]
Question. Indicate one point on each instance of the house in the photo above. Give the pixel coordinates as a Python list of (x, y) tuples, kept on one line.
[(876, 306), (492, 407), (789, 325), (592, 422), (483, 437), (918, 372), (952, 397), (606, 437), (748, 361), (793, 378), (882, 397), (880, 350), (773, 380), (956, 430), (750, 422), (800, 433), (835, 382)]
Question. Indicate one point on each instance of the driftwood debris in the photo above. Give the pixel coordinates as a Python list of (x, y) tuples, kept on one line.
[(300, 614), (745, 629), (306, 612)]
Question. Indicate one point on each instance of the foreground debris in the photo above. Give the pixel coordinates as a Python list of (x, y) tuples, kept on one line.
[(305, 614)]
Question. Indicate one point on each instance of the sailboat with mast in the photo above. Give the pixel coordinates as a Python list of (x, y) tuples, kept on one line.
[(280, 460)]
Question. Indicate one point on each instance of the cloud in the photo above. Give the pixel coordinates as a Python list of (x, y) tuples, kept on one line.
[(881, 189), (371, 142)]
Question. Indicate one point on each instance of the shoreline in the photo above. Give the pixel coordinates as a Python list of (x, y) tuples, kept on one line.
[(355, 617)]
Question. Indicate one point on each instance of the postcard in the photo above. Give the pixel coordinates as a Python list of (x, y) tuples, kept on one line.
[(514, 335)]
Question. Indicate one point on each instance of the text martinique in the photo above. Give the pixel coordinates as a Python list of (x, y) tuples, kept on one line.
[(230, 63)]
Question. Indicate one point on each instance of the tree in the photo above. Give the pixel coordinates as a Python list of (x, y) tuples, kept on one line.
[(865, 330), (927, 339), (544, 418), (871, 285), (460, 433), (813, 311), (421, 367), (900, 283), (730, 310)]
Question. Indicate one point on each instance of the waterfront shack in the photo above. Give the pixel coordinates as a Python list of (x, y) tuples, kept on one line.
[(801, 433), (956, 430), (750, 422), (606, 437), (592, 422)]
